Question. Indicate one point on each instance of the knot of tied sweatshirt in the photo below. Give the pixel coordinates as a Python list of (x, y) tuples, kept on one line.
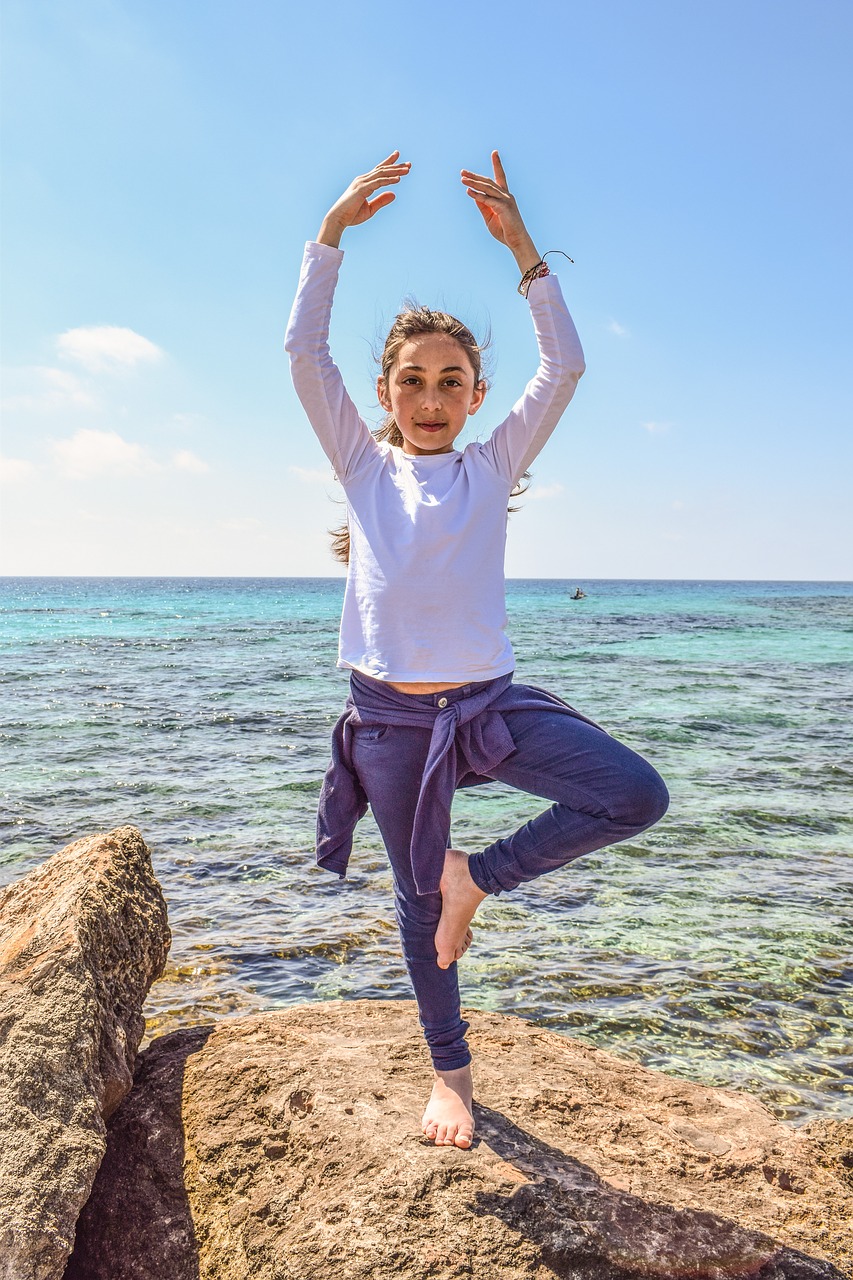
[(469, 737)]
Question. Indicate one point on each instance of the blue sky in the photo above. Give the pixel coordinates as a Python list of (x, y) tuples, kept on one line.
[(164, 163)]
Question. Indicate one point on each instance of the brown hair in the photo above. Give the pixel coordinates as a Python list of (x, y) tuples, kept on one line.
[(412, 323)]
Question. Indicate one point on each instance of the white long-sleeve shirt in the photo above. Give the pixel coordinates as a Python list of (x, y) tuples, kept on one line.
[(425, 597)]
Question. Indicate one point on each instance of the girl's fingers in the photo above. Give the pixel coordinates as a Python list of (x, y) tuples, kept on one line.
[(488, 201), (482, 177), (380, 201), (370, 183), (380, 173), (500, 176), (389, 160), (468, 175), (488, 190), (402, 167)]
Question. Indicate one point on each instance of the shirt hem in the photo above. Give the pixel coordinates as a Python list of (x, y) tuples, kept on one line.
[(430, 677)]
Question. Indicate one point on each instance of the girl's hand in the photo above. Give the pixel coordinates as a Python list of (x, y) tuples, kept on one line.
[(355, 205), (500, 213)]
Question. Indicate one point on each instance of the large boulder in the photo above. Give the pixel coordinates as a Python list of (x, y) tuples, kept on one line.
[(286, 1146), (81, 940)]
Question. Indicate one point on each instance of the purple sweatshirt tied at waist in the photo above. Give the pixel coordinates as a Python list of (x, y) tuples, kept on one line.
[(469, 738)]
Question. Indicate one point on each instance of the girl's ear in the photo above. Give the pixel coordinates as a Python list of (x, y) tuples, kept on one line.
[(478, 397), (382, 394)]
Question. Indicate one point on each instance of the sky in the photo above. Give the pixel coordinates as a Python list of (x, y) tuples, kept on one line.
[(164, 163)]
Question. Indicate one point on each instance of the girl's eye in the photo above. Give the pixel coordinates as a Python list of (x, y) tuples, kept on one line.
[(453, 382)]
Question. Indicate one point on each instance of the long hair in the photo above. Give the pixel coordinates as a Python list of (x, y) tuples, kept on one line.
[(412, 323)]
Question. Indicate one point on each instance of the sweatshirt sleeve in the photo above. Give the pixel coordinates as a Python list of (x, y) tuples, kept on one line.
[(515, 443), (342, 432)]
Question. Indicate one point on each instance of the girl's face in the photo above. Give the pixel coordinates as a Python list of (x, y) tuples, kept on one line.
[(431, 392)]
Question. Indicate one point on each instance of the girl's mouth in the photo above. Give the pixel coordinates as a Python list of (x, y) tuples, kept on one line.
[(431, 426)]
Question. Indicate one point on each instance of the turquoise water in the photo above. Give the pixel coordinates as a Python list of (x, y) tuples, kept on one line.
[(718, 946)]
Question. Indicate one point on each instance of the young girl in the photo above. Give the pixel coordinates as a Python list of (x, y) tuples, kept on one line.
[(432, 704)]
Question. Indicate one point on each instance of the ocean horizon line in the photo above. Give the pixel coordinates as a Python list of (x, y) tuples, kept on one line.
[(321, 577)]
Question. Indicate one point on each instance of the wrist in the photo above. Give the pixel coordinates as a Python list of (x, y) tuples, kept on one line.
[(330, 233), (526, 254)]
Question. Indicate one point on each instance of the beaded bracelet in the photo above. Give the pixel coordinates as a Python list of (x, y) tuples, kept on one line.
[(537, 272), (531, 274)]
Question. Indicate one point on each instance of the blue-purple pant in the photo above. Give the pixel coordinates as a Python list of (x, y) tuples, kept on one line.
[(602, 792)]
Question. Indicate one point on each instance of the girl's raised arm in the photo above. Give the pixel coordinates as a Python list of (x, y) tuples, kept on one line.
[(516, 442), (355, 205), (342, 432)]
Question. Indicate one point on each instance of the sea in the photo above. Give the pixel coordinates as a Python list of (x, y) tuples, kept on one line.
[(717, 946)]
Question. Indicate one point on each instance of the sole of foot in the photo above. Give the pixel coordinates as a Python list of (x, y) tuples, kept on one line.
[(460, 898), (449, 1119)]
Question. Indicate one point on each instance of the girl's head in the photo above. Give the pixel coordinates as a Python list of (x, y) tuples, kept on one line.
[(431, 380)]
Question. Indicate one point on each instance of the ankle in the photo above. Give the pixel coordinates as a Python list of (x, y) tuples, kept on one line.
[(459, 1081), (456, 1073)]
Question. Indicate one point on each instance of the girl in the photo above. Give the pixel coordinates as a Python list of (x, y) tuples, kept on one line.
[(432, 704)]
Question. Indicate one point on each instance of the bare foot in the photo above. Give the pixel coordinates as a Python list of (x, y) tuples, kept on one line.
[(460, 898), (449, 1119)]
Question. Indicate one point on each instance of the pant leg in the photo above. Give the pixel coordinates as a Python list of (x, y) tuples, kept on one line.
[(390, 763), (603, 793)]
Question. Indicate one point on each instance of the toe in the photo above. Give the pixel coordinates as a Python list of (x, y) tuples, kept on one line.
[(464, 1137)]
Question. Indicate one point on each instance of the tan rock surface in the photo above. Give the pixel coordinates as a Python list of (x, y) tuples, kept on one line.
[(285, 1146), (81, 940)]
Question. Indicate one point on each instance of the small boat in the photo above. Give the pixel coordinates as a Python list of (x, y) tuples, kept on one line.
[(579, 595)]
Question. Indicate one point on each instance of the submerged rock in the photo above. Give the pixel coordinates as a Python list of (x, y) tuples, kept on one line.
[(286, 1146), (81, 940)]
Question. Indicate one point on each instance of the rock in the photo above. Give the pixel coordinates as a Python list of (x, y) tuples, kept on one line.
[(81, 940), (285, 1146)]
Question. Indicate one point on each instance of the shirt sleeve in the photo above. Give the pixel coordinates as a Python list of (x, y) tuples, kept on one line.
[(344, 435), (515, 443)]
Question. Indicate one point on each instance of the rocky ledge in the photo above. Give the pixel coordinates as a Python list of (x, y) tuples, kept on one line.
[(81, 940), (285, 1146)]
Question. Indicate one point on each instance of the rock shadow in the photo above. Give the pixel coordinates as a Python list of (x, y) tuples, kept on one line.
[(137, 1223), (587, 1229)]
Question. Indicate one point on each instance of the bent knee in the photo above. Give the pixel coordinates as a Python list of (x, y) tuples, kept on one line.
[(643, 800)]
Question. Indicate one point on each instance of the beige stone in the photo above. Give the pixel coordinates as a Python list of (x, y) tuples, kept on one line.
[(81, 940), (286, 1146)]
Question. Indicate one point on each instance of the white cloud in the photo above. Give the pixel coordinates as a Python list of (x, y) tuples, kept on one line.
[(101, 453), (16, 470), (545, 491), (185, 460), (89, 454), (618, 329), (107, 347), (657, 428), (309, 476), (56, 389)]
